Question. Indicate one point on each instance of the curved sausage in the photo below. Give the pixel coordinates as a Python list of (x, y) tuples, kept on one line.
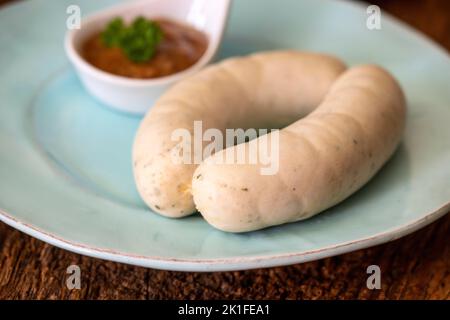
[(265, 90), (323, 157)]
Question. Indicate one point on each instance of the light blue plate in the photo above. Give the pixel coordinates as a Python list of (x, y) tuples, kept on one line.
[(65, 163)]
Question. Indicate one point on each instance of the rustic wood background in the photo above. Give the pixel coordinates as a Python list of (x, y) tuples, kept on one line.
[(414, 267)]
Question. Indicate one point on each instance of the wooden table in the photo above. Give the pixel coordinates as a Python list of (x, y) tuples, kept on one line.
[(414, 267)]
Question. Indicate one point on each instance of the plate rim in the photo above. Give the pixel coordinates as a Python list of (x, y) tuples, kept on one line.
[(226, 264)]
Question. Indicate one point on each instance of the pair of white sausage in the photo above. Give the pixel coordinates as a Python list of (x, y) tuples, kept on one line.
[(340, 127)]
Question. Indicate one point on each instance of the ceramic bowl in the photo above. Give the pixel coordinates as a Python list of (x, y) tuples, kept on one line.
[(138, 95)]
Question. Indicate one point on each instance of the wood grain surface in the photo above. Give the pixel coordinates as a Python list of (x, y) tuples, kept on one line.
[(414, 267)]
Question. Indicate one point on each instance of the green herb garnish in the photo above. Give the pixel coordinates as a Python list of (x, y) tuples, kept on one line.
[(138, 41), (113, 33)]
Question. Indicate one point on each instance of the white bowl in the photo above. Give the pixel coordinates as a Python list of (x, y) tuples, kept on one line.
[(136, 95)]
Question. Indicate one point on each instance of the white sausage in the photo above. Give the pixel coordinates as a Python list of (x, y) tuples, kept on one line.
[(265, 90), (324, 157)]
